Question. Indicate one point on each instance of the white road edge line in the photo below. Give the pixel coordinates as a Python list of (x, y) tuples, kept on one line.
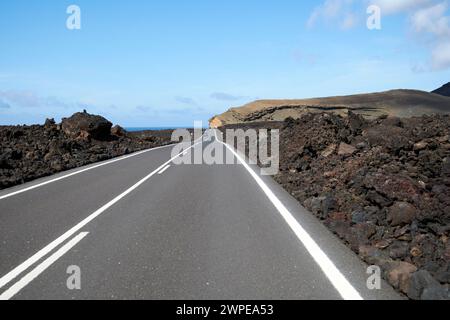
[(164, 169), (46, 250), (342, 285), (33, 274), (79, 171)]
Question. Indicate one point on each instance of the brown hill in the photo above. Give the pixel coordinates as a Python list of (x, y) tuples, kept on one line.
[(444, 90), (400, 103)]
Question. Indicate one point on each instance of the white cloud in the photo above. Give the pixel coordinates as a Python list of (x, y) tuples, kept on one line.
[(441, 56), (433, 24), (432, 20), (334, 10), (397, 6), (427, 19), (347, 12)]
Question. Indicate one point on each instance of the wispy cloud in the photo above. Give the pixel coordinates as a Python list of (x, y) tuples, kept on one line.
[(302, 56), (222, 96), (145, 108), (432, 20), (347, 13), (397, 6), (349, 21), (441, 56), (334, 11), (185, 100), (427, 19), (20, 98), (4, 105), (29, 99), (433, 23), (55, 102)]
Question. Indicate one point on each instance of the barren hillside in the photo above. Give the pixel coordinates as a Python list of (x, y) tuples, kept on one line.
[(444, 90), (400, 103)]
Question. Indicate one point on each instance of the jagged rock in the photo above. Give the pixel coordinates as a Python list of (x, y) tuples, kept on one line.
[(393, 138), (49, 122), (376, 198), (87, 125), (314, 204), (329, 150), (420, 145), (393, 122), (84, 136), (443, 274), (415, 252), (346, 149), (118, 131), (401, 213), (445, 169), (359, 216), (361, 145), (435, 293), (387, 187), (399, 250), (355, 122), (399, 275), (4, 163), (360, 234), (394, 187), (374, 256), (424, 286), (31, 152), (322, 206)]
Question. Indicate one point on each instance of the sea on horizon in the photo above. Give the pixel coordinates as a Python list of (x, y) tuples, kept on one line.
[(134, 129)]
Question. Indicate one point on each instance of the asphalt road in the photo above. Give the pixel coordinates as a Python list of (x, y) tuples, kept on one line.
[(137, 229)]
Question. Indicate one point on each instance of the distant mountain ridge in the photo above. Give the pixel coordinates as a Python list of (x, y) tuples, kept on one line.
[(444, 90), (400, 103)]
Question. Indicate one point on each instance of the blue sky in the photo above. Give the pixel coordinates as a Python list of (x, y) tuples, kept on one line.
[(168, 63)]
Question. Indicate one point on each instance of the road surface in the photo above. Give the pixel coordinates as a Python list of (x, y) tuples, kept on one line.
[(140, 227)]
